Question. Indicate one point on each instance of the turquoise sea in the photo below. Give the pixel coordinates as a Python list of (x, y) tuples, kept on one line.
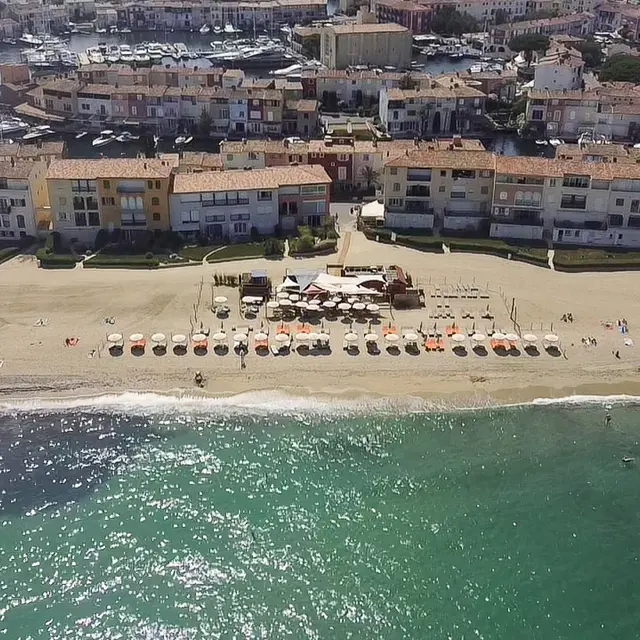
[(144, 518)]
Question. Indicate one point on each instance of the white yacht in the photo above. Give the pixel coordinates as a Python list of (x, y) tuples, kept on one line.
[(125, 136), (38, 132), (12, 124), (204, 29), (30, 40), (104, 138)]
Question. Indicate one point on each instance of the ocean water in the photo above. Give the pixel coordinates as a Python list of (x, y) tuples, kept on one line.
[(264, 517)]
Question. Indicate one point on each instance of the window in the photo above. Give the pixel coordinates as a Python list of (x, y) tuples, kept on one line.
[(106, 184), (190, 216), (264, 195), (458, 195), (441, 189), (108, 202), (573, 202), (395, 202), (635, 206), (576, 182), (149, 184), (156, 217), (94, 219), (155, 202), (393, 171), (240, 227), (484, 191), (240, 216), (134, 111), (615, 220), (20, 221), (81, 219), (83, 185), (619, 202), (342, 173), (343, 157), (463, 174), (485, 173), (443, 173), (229, 156), (634, 221), (552, 182), (158, 185), (62, 216), (18, 202), (536, 114), (396, 186), (6, 221)]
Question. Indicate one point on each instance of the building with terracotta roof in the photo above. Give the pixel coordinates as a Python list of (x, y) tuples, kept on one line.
[(23, 197), (574, 24), (560, 68), (129, 194), (352, 44), (44, 151), (228, 204)]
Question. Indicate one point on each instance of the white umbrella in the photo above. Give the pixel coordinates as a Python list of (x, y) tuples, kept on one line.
[(314, 337), (178, 338), (302, 337), (285, 303), (294, 297), (458, 337), (220, 336), (273, 304), (371, 337), (136, 337), (512, 337), (352, 300), (324, 337), (411, 337), (301, 304), (240, 337), (499, 336), (279, 288), (114, 337), (314, 303), (198, 337), (336, 299), (350, 336), (158, 337), (282, 337), (530, 337), (220, 299), (551, 337), (344, 306), (282, 295), (478, 337), (392, 337), (373, 308), (359, 306), (260, 336), (329, 304)]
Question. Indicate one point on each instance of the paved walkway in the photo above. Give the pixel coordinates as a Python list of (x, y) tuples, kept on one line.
[(204, 260), (346, 243)]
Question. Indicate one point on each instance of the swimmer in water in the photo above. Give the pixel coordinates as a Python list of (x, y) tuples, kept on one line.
[(607, 419)]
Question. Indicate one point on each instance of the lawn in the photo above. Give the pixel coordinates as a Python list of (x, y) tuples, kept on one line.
[(238, 252), (594, 258), (196, 252)]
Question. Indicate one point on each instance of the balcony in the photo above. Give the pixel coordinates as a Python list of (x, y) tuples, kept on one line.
[(133, 220), (591, 225), (419, 175), (5, 208), (416, 191), (465, 213), (130, 188), (524, 221)]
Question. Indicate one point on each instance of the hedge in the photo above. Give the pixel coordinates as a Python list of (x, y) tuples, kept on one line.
[(323, 247), (56, 260), (596, 260), (8, 253), (121, 262), (418, 241)]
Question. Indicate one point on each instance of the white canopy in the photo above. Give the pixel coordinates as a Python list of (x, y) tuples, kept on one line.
[(158, 337), (551, 337), (411, 336), (301, 304), (350, 336), (282, 337), (329, 304), (290, 284), (285, 303), (302, 337), (530, 337), (371, 337), (114, 337), (344, 306), (458, 337), (373, 308), (512, 337), (478, 337), (499, 336), (177, 338), (198, 337), (251, 299), (273, 304), (260, 336), (220, 299), (136, 337), (324, 337), (240, 337), (220, 336), (392, 337), (294, 297), (314, 337), (359, 306), (282, 295)]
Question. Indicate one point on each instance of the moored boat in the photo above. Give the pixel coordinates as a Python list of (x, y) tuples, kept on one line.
[(180, 141), (104, 138), (38, 132)]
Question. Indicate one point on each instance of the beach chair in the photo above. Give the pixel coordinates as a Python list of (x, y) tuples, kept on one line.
[(440, 344), (283, 328), (431, 344)]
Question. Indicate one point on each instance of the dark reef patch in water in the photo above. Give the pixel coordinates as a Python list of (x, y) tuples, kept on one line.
[(52, 459)]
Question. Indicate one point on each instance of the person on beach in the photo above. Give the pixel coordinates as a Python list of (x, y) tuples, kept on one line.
[(199, 379), (607, 419)]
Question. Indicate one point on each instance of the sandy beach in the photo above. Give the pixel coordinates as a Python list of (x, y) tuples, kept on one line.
[(36, 362)]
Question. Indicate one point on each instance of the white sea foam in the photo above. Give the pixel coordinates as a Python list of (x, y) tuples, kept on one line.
[(279, 402)]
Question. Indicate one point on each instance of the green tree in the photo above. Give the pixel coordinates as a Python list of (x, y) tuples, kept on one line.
[(621, 68), (529, 43), (205, 122), (591, 52), (369, 175), (449, 21)]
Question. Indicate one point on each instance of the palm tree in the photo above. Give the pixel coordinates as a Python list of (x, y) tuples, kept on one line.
[(369, 175)]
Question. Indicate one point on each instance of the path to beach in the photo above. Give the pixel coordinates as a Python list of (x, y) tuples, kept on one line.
[(76, 303)]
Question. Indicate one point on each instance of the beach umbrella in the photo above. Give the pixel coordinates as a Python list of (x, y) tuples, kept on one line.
[(136, 337), (350, 336), (279, 288), (373, 308), (198, 337), (178, 338), (329, 304), (314, 337), (530, 337), (158, 337), (301, 304), (294, 297), (114, 337), (336, 299), (512, 337), (273, 304), (392, 337), (286, 303), (240, 337), (478, 337), (344, 306), (551, 337), (282, 295), (371, 337), (324, 337), (260, 336), (315, 302), (220, 299), (411, 337), (499, 336), (282, 337), (359, 306), (352, 300), (302, 337), (220, 336), (458, 337)]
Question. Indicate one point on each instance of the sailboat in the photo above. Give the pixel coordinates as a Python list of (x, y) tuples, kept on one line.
[(204, 29)]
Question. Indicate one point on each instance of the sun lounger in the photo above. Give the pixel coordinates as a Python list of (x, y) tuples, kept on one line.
[(440, 344), (388, 329), (283, 328), (431, 344)]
